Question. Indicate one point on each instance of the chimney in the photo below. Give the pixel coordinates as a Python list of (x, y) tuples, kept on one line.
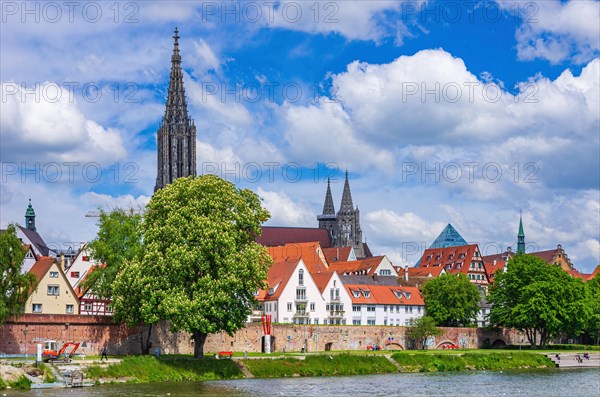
[(62, 261), (406, 273), (495, 262)]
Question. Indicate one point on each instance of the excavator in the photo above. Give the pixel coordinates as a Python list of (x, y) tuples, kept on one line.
[(50, 353)]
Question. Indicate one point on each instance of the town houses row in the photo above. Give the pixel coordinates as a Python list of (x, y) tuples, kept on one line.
[(310, 282)]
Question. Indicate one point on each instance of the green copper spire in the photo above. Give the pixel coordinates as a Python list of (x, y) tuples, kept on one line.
[(30, 217), (521, 236)]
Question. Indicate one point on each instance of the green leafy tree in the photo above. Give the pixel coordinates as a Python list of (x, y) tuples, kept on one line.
[(538, 299), (423, 328), (119, 240), (451, 300), (14, 286), (592, 289), (201, 264)]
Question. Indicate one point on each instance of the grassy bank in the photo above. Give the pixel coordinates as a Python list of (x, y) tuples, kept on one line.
[(320, 365), (146, 369), (470, 361)]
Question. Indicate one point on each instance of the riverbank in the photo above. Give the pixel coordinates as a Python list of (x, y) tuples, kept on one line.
[(147, 369)]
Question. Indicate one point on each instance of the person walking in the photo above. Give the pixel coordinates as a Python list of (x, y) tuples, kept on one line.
[(103, 353)]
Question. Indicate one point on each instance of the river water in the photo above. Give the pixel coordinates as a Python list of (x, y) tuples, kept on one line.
[(551, 382)]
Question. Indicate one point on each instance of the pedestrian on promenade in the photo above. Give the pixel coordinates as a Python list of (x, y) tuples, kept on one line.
[(103, 353)]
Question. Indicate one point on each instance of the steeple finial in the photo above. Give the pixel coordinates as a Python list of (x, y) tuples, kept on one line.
[(521, 235), (346, 204), (328, 208)]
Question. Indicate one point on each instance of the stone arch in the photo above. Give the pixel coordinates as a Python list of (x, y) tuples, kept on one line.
[(393, 346), (498, 344), (445, 343)]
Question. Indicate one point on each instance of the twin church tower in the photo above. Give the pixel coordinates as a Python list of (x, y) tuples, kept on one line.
[(176, 142)]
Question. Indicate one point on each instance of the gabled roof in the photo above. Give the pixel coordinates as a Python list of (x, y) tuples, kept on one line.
[(422, 272), (321, 280), (547, 256), (277, 278), (594, 273), (385, 295), (337, 254), (41, 267), (491, 268), (370, 280), (36, 240), (310, 253), (365, 266), (449, 237), (457, 258), (275, 236)]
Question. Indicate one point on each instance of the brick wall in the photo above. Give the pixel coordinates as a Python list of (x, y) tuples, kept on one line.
[(94, 331)]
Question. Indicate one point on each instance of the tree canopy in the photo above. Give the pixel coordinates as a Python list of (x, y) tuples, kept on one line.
[(119, 240), (538, 299), (14, 286), (451, 300), (201, 264), (592, 288), (423, 328)]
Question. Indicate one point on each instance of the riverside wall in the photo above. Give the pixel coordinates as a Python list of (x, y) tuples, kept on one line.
[(95, 331)]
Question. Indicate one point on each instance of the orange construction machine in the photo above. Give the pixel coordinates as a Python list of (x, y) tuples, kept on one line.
[(51, 352)]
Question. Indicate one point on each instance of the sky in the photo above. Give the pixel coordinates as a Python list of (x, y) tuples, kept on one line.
[(462, 112)]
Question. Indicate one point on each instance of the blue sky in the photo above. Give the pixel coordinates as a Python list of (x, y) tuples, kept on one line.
[(461, 112)]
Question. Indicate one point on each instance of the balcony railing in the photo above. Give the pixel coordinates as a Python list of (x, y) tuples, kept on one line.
[(301, 298), (301, 313), (335, 299), (336, 313)]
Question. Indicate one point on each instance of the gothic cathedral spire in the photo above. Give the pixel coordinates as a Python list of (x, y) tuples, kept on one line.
[(176, 136), (346, 205), (328, 208), (521, 237)]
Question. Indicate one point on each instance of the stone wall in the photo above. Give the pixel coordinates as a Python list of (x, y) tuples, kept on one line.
[(95, 331)]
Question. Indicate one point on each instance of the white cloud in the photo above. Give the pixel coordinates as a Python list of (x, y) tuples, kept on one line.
[(556, 30), (284, 210), (47, 125)]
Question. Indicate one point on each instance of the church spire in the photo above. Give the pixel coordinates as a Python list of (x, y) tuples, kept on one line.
[(328, 208), (521, 236), (346, 204), (30, 217), (176, 138)]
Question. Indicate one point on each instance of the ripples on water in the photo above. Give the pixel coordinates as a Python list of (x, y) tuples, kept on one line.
[(567, 383)]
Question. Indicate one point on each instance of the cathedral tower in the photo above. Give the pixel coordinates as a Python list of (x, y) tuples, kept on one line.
[(521, 237), (176, 136)]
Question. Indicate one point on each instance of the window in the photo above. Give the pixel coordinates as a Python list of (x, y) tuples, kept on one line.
[(385, 308), (356, 294), (301, 294), (451, 256), (370, 308), (385, 321), (461, 256), (53, 274), (438, 257), (385, 272), (419, 309), (301, 277), (480, 265), (36, 308), (75, 274), (53, 290), (289, 306), (406, 323), (371, 321), (405, 309), (407, 295), (87, 307), (255, 293), (355, 308), (312, 307), (367, 294), (356, 322), (70, 309)]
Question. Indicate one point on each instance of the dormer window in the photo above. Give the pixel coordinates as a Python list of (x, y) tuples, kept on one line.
[(461, 256), (438, 257), (356, 294), (428, 257), (255, 293), (407, 295), (366, 294), (451, 256), (271, 291)]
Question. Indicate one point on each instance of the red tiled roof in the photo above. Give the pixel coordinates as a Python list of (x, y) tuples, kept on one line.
[(594, 273), (321, 280), (459, 258), (40, 268), (547, 256), (279, 275), (360, 266), (310, 253), (338, 254), (491, 268), (385, 295), (275, 236)]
